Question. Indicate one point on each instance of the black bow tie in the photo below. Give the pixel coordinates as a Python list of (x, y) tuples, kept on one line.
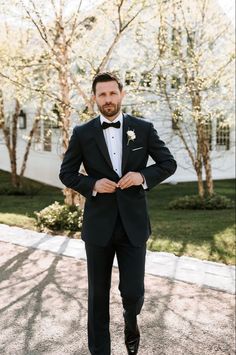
[(106, 125)]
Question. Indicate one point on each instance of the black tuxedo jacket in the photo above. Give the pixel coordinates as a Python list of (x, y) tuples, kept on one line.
[(87, 145)]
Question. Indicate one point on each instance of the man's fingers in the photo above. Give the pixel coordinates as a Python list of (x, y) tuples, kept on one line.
[(110, 183), (126, 183), (105, 185), (109, 186), (107, 189), (125, 178), (122, 181)]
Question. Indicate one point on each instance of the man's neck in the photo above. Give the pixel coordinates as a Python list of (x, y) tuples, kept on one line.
[(111, 119)]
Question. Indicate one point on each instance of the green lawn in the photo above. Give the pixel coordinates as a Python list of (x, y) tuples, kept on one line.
[(19, 210), (201, 234)]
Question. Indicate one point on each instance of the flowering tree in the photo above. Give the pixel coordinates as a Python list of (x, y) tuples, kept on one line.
[(9, 127), (18, 71), (170, 40), (64, 33), (194, 50)]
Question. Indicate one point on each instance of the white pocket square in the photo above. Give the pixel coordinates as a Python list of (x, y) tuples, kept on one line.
[(137, 148)]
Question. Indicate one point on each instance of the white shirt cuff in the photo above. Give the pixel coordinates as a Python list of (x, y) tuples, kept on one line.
[(94, 193), (144, 184)]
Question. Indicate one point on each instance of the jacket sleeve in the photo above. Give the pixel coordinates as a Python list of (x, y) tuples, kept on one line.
[(165, 164), (69, 172)]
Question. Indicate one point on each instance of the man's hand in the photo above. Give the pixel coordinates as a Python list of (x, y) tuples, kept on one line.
[(130, 179), (105, 186)]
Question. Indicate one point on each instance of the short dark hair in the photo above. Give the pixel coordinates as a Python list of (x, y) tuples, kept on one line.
[(104, 77)]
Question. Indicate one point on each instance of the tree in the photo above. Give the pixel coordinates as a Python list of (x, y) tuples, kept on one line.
[(63, 34), (190, 51), (197, 35), (17, 69)]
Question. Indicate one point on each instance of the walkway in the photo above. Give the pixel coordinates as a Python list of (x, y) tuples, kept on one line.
[(203, 273), (43, 309)]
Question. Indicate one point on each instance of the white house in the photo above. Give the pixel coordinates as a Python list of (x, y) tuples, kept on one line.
[(46, 152)]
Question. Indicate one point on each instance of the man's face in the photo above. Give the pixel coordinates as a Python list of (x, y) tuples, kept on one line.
[(108, 98)]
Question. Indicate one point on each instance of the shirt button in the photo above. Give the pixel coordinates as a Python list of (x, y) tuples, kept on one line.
[(114, 153), (112, 137)]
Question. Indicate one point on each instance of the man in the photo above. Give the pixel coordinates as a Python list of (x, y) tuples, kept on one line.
[(114, 149)]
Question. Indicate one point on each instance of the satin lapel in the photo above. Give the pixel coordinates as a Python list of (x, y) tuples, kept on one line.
[(125, 146), (100, 140)]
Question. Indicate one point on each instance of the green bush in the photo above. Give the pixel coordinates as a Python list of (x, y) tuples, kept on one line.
[(195, 202), (6, 190), (21, 191), (60, 217)]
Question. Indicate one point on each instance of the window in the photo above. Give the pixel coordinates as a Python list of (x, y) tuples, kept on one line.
[(222, 132), (47, 135), (161, 82), (130, 78), (116, 73), (135, 112), (37, 137), (162, 40), (175, 82), (22, 120), (146, 79), (57, 113), (190, 43), (208, 131), (43, 136), (176, 41), (176, 118)]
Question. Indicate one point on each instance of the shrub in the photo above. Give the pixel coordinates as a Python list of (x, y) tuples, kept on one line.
[(6, 190), (20, 191), (60, 217), (195, 202)]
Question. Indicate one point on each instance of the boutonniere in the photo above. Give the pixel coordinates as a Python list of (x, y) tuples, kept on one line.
[(131, 136)]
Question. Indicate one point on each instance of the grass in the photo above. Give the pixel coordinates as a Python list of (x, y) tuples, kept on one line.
[(207, 235), (19, 210), (203, 234)]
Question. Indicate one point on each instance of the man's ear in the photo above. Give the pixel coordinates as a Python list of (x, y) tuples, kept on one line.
[(123, 93)]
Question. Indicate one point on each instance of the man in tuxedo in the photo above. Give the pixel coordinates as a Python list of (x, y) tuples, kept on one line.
[(114, 149)]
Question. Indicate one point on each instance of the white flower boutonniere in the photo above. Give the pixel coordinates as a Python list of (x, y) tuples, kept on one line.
[(131, 136)]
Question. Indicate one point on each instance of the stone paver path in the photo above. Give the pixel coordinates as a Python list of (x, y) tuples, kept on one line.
[(43, 309), (203, 273)]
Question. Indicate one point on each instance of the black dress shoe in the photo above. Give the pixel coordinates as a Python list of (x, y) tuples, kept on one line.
[(132, 344), (132, 336)]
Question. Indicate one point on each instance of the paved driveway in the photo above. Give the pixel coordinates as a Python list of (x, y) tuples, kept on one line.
[(43, 307)]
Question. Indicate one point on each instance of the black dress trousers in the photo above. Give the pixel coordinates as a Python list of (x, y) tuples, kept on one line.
[(131, 263)]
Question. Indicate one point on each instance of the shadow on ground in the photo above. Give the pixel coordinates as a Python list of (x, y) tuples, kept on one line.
[(43, 310)]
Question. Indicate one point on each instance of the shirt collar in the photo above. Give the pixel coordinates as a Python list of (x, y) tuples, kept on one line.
[(118, 118)]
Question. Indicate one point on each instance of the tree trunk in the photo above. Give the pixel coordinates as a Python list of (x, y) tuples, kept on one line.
[(71, 197), (209, 180), (208, 169), (198, 163), (205, 155), (198, 169), (29, 142)]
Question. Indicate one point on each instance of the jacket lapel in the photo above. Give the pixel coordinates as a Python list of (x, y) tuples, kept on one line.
[(100, 140), (125, 146)]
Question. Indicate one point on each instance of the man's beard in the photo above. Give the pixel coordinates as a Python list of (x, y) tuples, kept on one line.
[(109, 110)]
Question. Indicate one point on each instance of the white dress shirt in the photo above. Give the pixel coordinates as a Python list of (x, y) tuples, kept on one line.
[(113, 138)]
